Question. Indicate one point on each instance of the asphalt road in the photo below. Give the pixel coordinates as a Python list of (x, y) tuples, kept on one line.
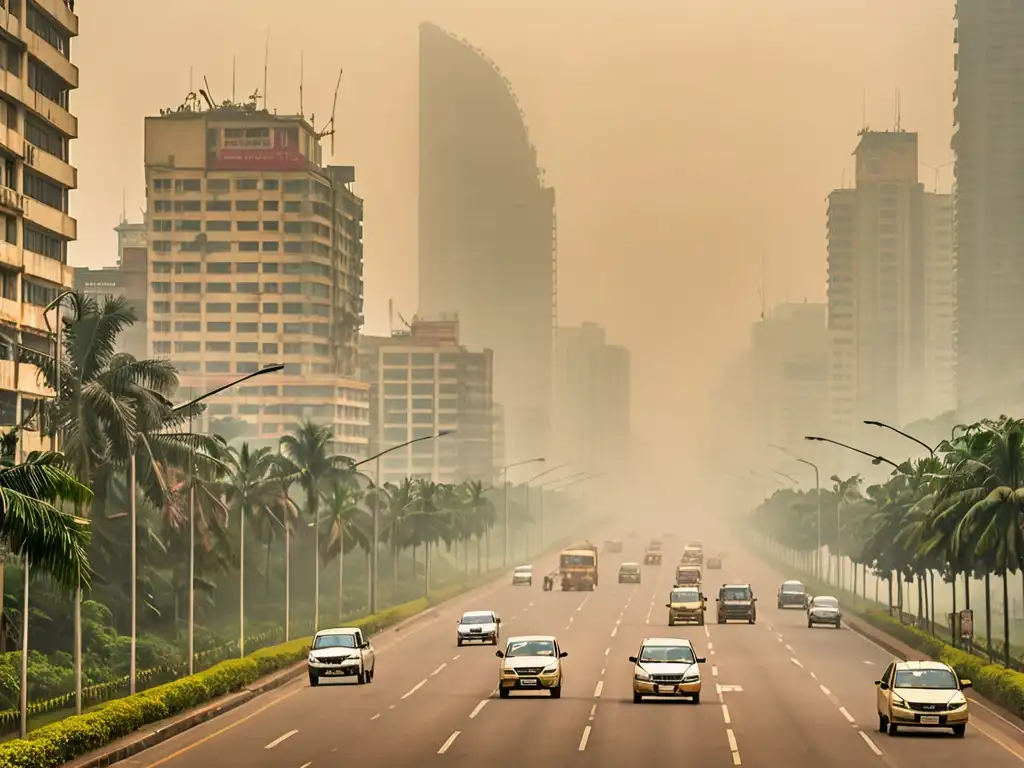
[(775, 693)]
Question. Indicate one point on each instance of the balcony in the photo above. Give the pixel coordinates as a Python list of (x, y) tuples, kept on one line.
[(64, 16), (12, 86), (11, 201), (12, 141), (65, 122), (10, 255), (48, 165), (49, 218), (44, 268), (51, 57)]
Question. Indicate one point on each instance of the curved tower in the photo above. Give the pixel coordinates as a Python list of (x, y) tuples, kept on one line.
[(486, 229)]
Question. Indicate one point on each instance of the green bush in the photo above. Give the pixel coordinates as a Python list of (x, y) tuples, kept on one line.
[(72, 737)]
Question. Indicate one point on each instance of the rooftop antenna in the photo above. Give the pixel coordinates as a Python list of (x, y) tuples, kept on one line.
[(302, 75), (391, 317), (209, 92), (899, 127), (266, 60), (329, 128)]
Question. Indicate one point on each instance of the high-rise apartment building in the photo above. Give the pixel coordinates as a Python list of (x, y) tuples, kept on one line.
[(890, 291), (36, 177), (487, 228), (592, 399), (988, 140), (422, 382), (255, 258), (129, 278)]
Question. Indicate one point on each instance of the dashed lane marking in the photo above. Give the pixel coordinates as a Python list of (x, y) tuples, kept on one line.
[(593, 712), (707, 632), (477, 708), (415, 688), (733, 747), (710, 646), (598, 689), (306, 765), (456, 656), (279, 739), (725, 714), (814, 676), (871, 745), (585, 739), (449, 742), (607, 650), (714, 670), (375, 716), (847, 715), (438, 670), (790, 648), (615, 632), (826, 691), (795, 661)]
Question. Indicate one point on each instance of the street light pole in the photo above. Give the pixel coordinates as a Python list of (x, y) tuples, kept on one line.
[(817, 493), (539, 475), (376, 507), (504, 489)]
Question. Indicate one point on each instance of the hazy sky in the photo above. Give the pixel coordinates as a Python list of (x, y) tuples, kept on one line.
[(687, 140)]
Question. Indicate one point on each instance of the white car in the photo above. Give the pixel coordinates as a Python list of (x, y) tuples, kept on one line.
[(342, 652), (824, 610), (478, 627), (666, 666), (531, 663), (523, 574)]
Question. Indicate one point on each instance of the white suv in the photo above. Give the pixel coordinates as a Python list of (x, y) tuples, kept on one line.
[(478, 627), (342, 652)]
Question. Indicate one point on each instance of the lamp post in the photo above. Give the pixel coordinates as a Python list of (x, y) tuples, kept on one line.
[(191, 528), (535, 477), (542, 486), (504, 488), (817, 493), (376, 507)]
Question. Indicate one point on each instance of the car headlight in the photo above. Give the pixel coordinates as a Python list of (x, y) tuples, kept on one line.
[(550, 669), (693, 677), (641, 674), (312, 658), (897, 701), (508, 671), (958, 700)]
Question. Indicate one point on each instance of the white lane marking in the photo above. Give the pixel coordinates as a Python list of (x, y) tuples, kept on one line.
[(618, 622), (736, 759), (476, 710), (710, 646), (725, 714), (790, 648), (585, 739), (871, 663), (375, 716), (279, 739), (597, 690), (847, 715), (797, 663), (615, 632), (649, 616), (602, 671), (707, 632), (714, 670), (391, 707), (779, 638), (813, 675), (580, 608), (733, 747), (449, 742), (870, 743), (825, 690), (606, 650), (530, 605), (415, 688), (438, 670), (456, 656), (306, 765), (567, 626), (593, 712)]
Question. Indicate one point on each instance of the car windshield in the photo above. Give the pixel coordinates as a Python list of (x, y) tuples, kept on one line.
[(477, 618), (667, 654), (685, 596), (571, 560), (825, 602), (630, 568), (793, 589), (930, 679), (524, 569), (530, 648), (334, 641), (736, 593)]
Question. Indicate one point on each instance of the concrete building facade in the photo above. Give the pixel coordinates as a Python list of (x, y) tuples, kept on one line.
[(988, 140), (422, 382), (255, 258), (36, 178), (890, 291), (592, 423), (487, 228)]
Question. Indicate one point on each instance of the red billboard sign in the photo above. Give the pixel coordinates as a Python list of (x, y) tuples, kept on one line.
[(259, 149)]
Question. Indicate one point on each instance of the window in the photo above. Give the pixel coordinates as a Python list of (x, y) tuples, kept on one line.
[(271, 288), (396, 389), (247, 347), (247, 327), (270, 327), (218, 366), (293, 288), (396, 358), (293, 308), (187, 288), (248, 307), (47, 83), (161, 307), (162, 225), (162, 206), (161, 347), (295, 247), (294, 348), (45, 191), (423, 404), (187, 185), (270, 348), (248, 226), (247, 267), (187, 307), (46, 243), (244, 185), (218, 246), (218, 185), (271, 246), (292, 206), (161, 185), (218, 268), (218, 308), (187, 225), (218, 327), (247, 246), (159, 246), (182, 347), (218, 206), (218, 346), (187, 206), (218, 226), (270, 267), (186, 268), (46, 138), (294, 227), (295, 187), (218, 287), (296, 328), (270, 185), (270, 308), (160, 287), (247, 288), (189, 326), (421, 358), (270, 205), (44, 26), (247, 205), (271, 226), (161, 326), (38, 294)]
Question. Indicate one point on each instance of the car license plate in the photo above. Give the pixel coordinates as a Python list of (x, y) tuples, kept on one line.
[(665, 688), (929, 719), (333, 672), (528, 682)]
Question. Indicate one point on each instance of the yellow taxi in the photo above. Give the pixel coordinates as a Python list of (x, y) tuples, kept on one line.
[(666, 666), (921, 694)]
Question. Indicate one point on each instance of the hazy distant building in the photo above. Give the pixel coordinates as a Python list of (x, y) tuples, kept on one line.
[(36, 178), (890, 290), (487, 228), (592, 423), (255, 258), (988, 140), (129, 278), (423, 381)]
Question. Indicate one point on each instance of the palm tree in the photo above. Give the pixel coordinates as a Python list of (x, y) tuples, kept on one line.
[(482, 516), (348, 525), (431, 522), (398, 527)]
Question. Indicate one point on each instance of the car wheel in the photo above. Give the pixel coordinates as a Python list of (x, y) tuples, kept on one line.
[(721, 621), (883, 723), (893, 728), (503, 693), (696, 698), (780, 605), (838, 623), (960, 730), (459, 642), (752, 619), (314, 680), (556, 692), (671, 623), (810, 624), (701, 621), (637, 698), (363, 677)]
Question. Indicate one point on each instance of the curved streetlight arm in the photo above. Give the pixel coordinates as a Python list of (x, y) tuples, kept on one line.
[(875, 458), (563, 479), (900, 432), (765, 477), (547, 472), (229, 385), (376, 456), (788, 477), (580, 480)]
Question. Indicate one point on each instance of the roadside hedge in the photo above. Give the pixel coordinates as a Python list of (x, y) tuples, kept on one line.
[(72, 737)]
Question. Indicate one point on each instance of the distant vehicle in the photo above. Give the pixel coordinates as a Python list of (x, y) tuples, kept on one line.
[(652, 557), (478, 627), (688, 576), (613, 546), (793, 594), (693, 554), (629, 573), (666, 666), (714, 563), (654, 545), (578, 568), (736, 602), (824, 610), (686, 605), (531, 663), (341, 652), (523, 574), (921, 694)]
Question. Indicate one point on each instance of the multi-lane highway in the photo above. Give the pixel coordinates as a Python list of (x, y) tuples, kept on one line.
[(775, 693)]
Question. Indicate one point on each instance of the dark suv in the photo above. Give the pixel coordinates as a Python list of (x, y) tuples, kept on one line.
[(736, 602), (792, 594)]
